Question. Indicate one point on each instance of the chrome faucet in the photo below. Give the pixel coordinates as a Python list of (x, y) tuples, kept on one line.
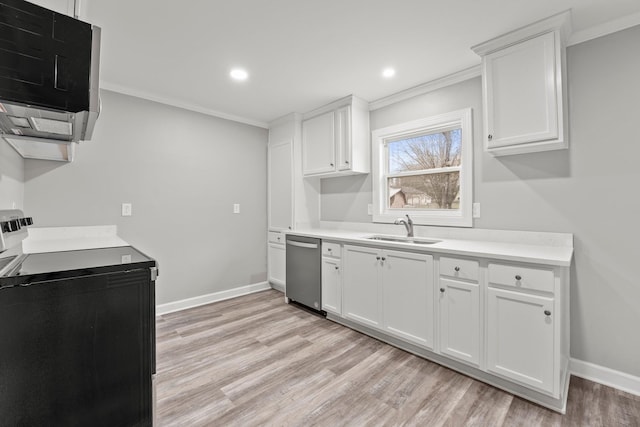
[(408, 224)]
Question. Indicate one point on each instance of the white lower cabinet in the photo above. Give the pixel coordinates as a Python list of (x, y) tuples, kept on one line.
[(407, 296), (506, 322), (520, 337), (277, 264), (460, 320), (361, 287), (391, 291), (331, 285)]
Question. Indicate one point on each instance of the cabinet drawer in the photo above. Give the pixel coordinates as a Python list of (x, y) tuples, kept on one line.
[(521, 277), (275, 237), (459, 268), (331, 249)]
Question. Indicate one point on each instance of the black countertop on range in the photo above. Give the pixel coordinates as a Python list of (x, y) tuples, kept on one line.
[(47, 266)]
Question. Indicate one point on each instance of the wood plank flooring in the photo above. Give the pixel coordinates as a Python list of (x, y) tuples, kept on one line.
[(254, 361)]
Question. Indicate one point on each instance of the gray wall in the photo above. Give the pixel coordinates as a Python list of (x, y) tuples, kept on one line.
[(590, 190), (11, 177), (182, 171)]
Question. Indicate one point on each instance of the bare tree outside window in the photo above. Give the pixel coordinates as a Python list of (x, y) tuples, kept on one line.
[(424, 171)]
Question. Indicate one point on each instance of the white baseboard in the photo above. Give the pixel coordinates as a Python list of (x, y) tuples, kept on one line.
[(170, 307), (606, 376)]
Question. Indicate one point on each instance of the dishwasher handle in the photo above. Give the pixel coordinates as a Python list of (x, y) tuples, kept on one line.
[(302, 244)]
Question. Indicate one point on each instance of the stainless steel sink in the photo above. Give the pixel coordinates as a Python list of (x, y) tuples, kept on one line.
[(398, 239)]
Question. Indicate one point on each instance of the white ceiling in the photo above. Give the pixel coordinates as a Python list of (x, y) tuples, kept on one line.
[(302, 54)]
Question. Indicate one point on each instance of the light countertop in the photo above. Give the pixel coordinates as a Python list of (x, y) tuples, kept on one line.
[(531, 252), (57, 239)]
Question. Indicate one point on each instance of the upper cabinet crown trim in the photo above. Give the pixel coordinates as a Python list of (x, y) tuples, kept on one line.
[(560, 22), (347, 100)]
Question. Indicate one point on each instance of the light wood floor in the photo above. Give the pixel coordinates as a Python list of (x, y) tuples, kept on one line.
[(254, 361)]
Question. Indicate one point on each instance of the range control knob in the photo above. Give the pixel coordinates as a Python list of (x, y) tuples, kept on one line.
[(26, 221), (14, 225), (4, 225)]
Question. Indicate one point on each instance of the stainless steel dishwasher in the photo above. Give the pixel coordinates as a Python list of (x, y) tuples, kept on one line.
[(304, 263)]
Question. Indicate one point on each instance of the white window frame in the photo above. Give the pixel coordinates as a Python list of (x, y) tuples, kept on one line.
[(461, 217)]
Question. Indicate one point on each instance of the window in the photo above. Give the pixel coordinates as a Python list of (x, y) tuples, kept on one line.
[(424, 169)]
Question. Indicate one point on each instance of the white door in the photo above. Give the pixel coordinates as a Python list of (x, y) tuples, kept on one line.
[(318, 144), (331, 286), (360, 285), (407, 289), (521, 93), (343, 137), (277, 264), (460, 320), (520, 338), (280, 195)]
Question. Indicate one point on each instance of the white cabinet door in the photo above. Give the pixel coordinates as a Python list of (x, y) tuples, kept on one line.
[(277, 264), (318, 144), (361, 290), (280, 181), (343, 137), (331, 286), (407, 291), (521, 96), (520, 338), (460, 320)]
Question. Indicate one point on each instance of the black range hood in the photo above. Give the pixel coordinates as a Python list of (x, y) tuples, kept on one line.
[(49, 75)]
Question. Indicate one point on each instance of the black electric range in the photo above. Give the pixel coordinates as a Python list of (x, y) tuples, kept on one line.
[(78, 333)]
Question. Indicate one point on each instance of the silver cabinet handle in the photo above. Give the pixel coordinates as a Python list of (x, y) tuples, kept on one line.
[(457, 268), (518, 277), (547, 313), (442, 290), (302, 244)]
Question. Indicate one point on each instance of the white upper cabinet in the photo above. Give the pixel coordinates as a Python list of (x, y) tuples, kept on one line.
[(280, 185), (335, 139), (524, 88), (318, 144)]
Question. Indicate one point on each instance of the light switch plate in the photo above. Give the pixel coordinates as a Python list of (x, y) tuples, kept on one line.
[(236, 208), (126, 209), (476, 210)]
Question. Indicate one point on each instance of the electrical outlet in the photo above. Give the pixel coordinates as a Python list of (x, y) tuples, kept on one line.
[(369, 209), (126, 259), (476, 210), (126, 209), (236, 208)]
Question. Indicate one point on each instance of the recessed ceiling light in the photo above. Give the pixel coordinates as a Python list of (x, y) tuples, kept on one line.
[(387, 73), (239, 74)]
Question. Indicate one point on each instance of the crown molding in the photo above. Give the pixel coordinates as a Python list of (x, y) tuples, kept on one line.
[(180, 104), (604, 29), (427, 87)]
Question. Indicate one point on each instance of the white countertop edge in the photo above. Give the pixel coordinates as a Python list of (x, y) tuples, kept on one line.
[(559, 256)]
